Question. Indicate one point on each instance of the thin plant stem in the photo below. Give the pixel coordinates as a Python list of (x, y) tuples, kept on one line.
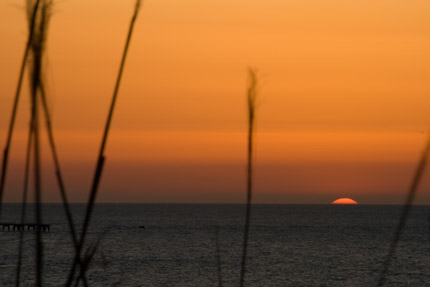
[(37, 48), (24, 200), (58, 173), (38, 194), (404, 215), (251, 97), (15, 103), (101, 157), (66, 205), (53, 148), (86, 261)]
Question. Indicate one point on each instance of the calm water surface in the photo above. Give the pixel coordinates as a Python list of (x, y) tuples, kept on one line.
[(290, 245)]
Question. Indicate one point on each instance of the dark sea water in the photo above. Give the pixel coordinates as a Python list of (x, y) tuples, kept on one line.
[(290, 245)]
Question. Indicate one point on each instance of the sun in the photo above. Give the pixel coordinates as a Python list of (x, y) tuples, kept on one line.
[(344, 201)]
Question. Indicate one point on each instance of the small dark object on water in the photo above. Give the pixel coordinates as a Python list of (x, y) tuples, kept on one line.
[(142, 226)]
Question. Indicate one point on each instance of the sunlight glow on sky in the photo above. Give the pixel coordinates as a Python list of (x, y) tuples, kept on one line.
[(343, 109)]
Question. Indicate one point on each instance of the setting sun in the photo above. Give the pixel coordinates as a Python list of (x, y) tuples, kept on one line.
[(344, 201)]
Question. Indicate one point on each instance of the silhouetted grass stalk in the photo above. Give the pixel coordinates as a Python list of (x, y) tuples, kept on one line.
[(251, 97), (88, 256), (101, 157), (37, 48), (58, 173), (404, 215), (15, 103), (38, 195), (24, 200), (39, 19)]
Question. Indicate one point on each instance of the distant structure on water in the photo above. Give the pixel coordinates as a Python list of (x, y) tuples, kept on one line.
[(22, 227)]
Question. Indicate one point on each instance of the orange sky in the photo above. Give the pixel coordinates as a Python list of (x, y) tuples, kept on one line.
[(343, 111)]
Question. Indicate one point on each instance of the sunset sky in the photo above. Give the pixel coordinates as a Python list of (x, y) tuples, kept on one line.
[(344, 99)]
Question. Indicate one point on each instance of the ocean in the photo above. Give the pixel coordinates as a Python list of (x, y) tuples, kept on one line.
[(290, 245)]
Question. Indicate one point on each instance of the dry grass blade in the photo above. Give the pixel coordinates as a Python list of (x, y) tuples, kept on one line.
[(58, 173), (37, 48), (404, 215), (37, 193), (24, 200), (16, 100), (251, 99), (86, 261), (101, 157)]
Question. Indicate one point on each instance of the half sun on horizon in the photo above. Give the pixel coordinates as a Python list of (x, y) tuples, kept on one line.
[(344, 201)]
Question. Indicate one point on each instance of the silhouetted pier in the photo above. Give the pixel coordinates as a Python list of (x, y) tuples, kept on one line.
[(25, 226)]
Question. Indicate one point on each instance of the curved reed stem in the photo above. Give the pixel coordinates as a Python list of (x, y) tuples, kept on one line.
[(251, 97), (15, 103), (101, 157), (406, 208)]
